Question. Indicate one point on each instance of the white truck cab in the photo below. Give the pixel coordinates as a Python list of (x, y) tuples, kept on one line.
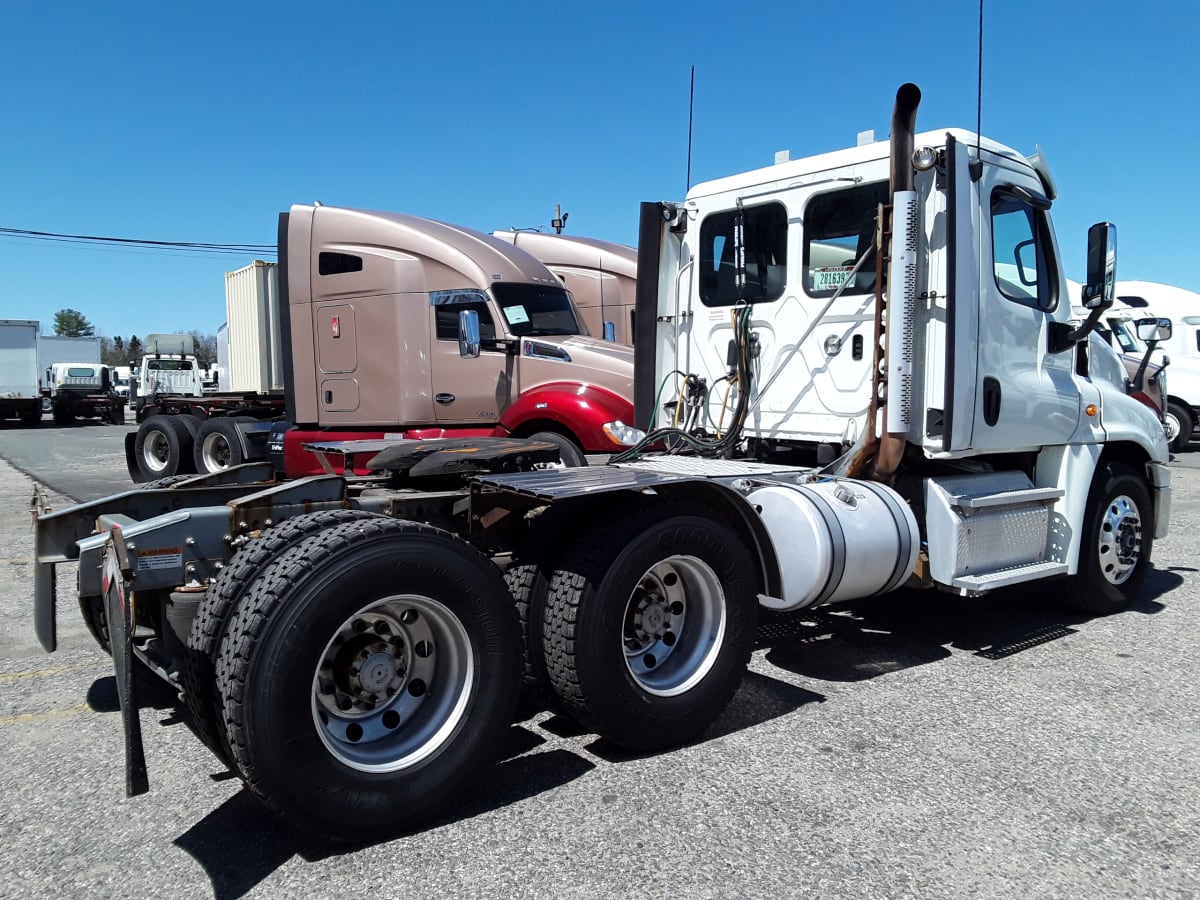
[(950, 367)]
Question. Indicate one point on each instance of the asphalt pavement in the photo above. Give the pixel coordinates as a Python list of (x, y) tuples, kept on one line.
[(915, 745)]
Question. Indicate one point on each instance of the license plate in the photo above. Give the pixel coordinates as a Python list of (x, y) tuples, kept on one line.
[(831, 278)]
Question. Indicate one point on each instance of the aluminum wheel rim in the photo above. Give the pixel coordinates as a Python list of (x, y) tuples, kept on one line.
[(393, 683), (1120, 543), (674, 625), (156, 452), (1170, 426), (215, 452)]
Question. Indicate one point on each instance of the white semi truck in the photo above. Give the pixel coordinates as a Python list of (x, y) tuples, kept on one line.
[(352, 646), (1147, 299)]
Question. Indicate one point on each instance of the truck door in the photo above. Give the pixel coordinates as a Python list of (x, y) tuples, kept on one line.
[(468, 391), (1025, 396)]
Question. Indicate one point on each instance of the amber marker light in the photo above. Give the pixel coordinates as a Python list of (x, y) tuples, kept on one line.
[(1091, 409)]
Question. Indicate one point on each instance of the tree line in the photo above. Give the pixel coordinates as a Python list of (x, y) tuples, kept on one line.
[(118, 351)]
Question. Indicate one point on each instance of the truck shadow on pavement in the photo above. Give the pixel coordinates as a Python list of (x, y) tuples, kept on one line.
[(869, 638), (239, 844)]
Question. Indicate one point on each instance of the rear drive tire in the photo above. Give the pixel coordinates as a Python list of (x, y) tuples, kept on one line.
[(649, 625), (1118, 537), (368, 676), (1179, 426), (162, 446), (217, 446), (568, 450), (198, 670)]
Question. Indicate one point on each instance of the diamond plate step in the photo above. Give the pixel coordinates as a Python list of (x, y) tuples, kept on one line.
[(989, 581), (1005, 498)]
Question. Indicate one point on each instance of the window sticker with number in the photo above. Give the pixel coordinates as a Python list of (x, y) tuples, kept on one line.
[(516, 315)]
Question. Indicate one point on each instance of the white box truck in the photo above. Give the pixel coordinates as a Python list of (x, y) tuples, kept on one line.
[(20, 374)]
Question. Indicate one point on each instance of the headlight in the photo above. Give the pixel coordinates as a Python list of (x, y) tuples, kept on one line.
[(620, 433)]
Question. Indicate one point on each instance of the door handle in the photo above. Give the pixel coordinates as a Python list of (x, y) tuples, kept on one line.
[(991, 400), (444, 398)]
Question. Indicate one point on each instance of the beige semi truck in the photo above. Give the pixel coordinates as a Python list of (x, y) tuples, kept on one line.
[(363, 320), (601, 276)]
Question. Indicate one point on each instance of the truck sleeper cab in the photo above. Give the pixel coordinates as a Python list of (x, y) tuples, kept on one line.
[(373, 303)]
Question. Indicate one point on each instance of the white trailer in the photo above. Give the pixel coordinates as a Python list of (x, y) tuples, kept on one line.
[(58, 348), (20, 374)]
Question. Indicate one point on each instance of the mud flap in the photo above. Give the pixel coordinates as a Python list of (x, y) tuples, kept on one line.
[(118, 607), (131, 465)]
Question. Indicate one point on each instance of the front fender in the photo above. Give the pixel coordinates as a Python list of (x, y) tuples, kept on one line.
[(582, 409)]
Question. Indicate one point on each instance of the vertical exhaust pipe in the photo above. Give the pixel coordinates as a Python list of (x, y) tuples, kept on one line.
[(901, 284)]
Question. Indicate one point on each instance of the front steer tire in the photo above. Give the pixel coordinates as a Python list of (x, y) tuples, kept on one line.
[(649, 624), (320, 641), (1118, 537)]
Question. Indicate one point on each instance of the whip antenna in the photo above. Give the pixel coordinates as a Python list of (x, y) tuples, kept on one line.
[(976, 167), (691, 108)]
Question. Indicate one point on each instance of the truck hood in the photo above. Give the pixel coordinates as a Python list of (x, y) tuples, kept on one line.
[(577, 358)]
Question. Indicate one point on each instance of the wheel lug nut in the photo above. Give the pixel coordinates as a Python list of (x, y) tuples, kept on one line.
[(381, 627), (359, 626)]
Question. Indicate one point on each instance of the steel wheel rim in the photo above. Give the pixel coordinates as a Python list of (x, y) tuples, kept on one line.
[(215, 452), (156, 452), (674, 625), (1120, 544), (393, 683)]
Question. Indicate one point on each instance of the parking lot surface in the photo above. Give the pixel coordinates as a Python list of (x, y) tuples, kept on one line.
[(914, 745)]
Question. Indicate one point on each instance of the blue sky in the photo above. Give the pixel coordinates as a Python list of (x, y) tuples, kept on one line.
[(201, 122)]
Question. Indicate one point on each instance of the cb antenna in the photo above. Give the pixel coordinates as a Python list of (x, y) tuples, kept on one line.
[(691, 109), (976, 167), (559, 222)]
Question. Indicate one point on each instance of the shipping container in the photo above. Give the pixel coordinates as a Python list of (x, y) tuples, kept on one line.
[(252, 329)]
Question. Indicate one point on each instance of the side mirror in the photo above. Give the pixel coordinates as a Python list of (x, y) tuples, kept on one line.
[(1149, 330), (468, 333), (610, 331), (1100, 289)]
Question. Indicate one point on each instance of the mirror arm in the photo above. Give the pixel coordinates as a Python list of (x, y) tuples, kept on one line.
[(1064, 337)]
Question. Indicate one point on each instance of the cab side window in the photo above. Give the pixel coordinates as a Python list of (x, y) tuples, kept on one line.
[(446, 312), (765, 236), (839, 229), (1022, 262)]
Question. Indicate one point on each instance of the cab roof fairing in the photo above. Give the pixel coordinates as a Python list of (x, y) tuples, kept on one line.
[(836, 162), (572, 250), (476, 259)]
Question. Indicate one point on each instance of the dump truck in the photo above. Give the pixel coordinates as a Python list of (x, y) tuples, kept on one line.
[(368, 312), (856, 372)]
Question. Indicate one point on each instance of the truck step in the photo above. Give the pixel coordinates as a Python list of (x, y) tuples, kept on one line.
[(1006, 498), (989, 581)]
